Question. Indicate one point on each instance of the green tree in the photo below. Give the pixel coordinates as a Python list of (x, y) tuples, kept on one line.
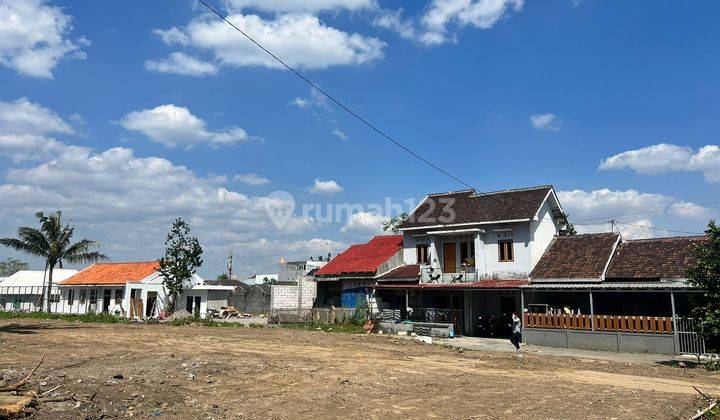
[(393, 224), (183, 255), (10, 266), (705, 275), (52, 243), (566, 228), (223, 276)]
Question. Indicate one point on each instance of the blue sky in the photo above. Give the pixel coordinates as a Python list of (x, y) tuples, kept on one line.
[(128, 114)]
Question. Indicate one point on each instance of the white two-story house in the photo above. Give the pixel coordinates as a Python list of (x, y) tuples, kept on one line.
[(466, 254), (492, 235)]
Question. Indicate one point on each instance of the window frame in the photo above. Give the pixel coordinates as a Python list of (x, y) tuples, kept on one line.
[(71, 296), (506, 245), (426, 252)]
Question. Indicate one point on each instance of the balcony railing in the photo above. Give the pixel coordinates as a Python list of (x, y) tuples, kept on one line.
[(437, 275)]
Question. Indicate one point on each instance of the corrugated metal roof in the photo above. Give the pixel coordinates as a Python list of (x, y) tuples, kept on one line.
[(34, 278)]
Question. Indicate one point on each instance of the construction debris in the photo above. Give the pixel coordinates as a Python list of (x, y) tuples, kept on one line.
[(19, 400)]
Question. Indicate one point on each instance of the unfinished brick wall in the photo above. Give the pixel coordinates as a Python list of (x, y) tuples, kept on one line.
[(286, 296)]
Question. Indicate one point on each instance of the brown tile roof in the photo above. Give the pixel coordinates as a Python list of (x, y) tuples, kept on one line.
[(407, 271), (659, 258), (112, 273), (472, 207), (576, 257)]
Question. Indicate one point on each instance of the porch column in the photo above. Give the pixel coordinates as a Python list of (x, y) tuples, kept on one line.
[(407, 303), (434, 257), (674, 321), (592, 312), (467, 313), (479, 256)]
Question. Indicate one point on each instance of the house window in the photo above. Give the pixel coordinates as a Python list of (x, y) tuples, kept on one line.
[(467, 252), (93, 295), (118, 295), (71, 296), (83, 296), (423, 256), (505, 250)]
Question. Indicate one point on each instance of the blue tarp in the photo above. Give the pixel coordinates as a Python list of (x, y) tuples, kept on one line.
[(352, 298)]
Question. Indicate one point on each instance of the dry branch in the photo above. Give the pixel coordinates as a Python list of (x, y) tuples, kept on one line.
[(17, 385)]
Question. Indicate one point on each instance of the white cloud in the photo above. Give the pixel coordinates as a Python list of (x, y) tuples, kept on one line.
[(340, 134), (606, 204), (393, 20), (172, 36), (663, 157), (24, 117), (301, 40), (307, 6), (481, 14), (545, 122), (173, 125), (128, 202), (182, 64), (23, 129), (33, 37), (636, 229), (326, 187), (300, 102), (363, 222), (251, 179)]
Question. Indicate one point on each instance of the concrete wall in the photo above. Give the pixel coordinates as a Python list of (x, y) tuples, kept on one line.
[(286, 296), (609, 341)]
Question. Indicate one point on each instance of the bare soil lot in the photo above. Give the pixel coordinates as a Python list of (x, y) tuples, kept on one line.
[(203, 372)]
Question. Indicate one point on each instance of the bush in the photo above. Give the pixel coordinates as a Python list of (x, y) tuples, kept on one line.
[(713, 363), (91, 317)]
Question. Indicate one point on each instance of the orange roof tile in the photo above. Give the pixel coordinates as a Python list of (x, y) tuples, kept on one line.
[(112, 273)]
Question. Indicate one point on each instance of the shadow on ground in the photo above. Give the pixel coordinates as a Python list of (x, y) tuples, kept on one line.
[(13, 328)]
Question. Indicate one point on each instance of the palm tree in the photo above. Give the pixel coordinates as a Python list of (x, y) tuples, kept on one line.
[(52, 243)]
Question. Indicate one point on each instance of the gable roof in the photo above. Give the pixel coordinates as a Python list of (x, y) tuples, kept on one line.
[(363, 258), (576, 257), (658, 258), (36, 278), (112, 273), (472, 207)]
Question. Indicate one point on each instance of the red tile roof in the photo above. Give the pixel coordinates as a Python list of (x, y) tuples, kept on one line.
[(407, 271), (482, 284), (364, 258), (112, 273)]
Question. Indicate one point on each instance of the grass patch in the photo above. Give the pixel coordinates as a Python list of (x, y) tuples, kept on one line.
[(92, 317)]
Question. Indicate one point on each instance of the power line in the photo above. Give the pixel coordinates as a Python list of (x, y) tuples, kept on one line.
[(644, 212), (336, 101), (658, 228)]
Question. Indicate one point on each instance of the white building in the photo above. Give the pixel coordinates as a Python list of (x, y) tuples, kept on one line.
[(24, 289), (494, 235), (134, 289)]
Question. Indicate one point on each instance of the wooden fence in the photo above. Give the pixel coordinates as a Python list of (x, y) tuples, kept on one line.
[(313, 316), (611, 323)]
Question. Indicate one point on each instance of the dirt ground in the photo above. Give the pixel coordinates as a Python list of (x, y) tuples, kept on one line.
[(203, 372)]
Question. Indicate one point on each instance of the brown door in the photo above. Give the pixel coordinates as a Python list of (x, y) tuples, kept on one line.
[(449, 258)]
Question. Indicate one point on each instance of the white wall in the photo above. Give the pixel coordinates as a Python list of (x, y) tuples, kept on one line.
[(542, 231), (96, 306)]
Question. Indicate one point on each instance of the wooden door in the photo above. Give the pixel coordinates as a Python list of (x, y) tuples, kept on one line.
[(449, 258)]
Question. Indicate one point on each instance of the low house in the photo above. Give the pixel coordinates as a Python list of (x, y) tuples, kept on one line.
[(600, 291), (466, 254), (135, 289), (348, 279), (247, 298), (24, 290)]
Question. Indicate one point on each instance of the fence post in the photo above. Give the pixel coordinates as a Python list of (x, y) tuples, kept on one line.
[(674, 322)]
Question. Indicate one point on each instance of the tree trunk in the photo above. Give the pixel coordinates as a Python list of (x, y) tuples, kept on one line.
[(49, 289), (42, 291)]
